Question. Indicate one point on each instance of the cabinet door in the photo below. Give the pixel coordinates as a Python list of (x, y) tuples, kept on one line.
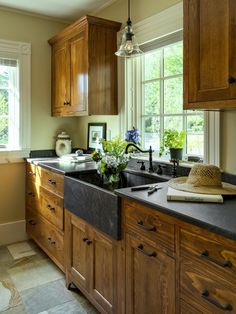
[(60, 79), (78, 74), (210, 47), (150, 279), (78, 260), (102, 282)]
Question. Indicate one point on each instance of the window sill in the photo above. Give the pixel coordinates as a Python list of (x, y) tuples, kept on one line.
[(13, 156), (183, 163)]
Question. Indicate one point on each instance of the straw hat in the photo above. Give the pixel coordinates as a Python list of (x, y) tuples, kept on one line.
[(203, 179)]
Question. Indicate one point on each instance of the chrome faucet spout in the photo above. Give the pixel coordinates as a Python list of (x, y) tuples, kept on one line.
[(150, 151)]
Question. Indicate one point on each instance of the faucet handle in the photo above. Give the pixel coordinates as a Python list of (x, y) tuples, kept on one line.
[(142, 167)]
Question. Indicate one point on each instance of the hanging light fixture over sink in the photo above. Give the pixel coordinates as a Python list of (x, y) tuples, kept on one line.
[(129, 46)]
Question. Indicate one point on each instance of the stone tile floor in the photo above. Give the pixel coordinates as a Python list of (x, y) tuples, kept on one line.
[(34, 285)]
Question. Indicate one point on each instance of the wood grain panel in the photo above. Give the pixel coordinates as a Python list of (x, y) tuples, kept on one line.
[(209, 50), (52, 181), (206, 287), (150, 279), (103, 270), (79, 74), (60, 76), (150, 224), (46, 236), (209, 251), (51, 208)]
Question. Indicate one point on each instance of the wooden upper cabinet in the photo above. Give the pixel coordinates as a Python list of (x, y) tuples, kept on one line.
[(84, 68), (209, 54), (60, 78)]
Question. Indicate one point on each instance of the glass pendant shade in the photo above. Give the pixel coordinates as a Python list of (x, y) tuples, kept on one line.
[(129, 46)]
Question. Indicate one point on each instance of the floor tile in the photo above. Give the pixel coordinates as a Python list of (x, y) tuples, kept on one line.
[(32, 271), (5, 256), (21, 249), (9, 296), (72, 307), (46, 296), (20, 309)]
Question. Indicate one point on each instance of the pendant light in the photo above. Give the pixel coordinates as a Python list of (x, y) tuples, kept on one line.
[(129, 46)]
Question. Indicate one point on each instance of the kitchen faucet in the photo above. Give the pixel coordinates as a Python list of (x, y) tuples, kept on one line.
[(150, 151)]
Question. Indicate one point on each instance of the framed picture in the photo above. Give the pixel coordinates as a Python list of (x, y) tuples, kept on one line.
[(96, 132)]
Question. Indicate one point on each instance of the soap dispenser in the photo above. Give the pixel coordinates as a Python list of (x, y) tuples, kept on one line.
[(63, 144)]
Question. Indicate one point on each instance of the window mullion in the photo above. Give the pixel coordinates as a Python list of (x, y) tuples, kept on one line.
[(162, 100)]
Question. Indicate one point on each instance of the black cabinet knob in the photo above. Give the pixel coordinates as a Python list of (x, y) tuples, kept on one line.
[(231, 80)]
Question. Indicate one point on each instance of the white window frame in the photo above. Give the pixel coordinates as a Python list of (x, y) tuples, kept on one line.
[(22, 52), (157, 27)]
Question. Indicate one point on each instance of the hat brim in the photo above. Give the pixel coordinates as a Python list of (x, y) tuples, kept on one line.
[(180, 184)]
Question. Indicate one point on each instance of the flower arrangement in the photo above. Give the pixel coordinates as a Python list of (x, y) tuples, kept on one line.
[(132, 136), (112, 160)]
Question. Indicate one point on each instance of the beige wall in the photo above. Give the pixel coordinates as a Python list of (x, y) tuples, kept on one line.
[(140, 9), (228, 145), (18, 27)]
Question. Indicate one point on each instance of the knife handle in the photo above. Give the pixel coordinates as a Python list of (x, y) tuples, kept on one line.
[(140, 188)]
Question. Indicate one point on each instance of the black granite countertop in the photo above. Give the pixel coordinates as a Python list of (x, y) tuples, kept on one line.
[(218, 218)]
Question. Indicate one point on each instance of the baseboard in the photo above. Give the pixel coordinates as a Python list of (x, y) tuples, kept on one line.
[(12, 232)]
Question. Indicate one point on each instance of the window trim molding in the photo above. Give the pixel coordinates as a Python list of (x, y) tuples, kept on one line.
[(21, 51), (157, 27)]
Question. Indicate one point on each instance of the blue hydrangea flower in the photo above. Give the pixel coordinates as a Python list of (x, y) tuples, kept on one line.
[(132, 136)]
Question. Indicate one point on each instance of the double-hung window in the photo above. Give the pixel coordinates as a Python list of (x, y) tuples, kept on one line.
[(162, 99), (14, 99), (154, 101)]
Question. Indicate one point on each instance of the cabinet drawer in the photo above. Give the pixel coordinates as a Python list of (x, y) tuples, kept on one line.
[(51, 207), (52, 181), (209, 251), (31, 171), (32, 195), (186, 308), (206, 288), (49, 238), (150, 224)]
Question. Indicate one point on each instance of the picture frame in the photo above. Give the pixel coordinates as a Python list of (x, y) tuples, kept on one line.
[(96, 132)]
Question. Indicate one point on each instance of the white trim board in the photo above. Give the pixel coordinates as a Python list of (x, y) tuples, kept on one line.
[(12, 232)]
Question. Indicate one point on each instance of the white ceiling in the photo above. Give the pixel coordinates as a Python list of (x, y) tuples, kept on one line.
[(67, 10)]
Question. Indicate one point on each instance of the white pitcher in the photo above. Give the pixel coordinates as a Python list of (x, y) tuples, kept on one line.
[(63, 144)]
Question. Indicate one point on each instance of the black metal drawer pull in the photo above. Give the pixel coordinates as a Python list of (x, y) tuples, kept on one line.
[(224, 307), (31, 194), (224, 264), (52, 181), (32, 222), (50, 207), (141, 224), (87, 241), (231, 80), (51, 242), (141, 249)]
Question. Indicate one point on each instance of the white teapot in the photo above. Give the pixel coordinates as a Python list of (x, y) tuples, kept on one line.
[(63, 144)]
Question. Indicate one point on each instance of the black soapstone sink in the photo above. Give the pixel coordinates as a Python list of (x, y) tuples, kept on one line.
[(87, 197)]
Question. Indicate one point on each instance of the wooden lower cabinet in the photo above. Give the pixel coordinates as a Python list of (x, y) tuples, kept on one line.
[(46, 236), (45, 212), (150, 279), (91, 263)]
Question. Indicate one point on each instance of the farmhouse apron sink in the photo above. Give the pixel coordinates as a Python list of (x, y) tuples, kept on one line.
[(87, 197)]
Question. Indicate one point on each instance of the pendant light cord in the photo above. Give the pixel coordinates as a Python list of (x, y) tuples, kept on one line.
[(129, 20)]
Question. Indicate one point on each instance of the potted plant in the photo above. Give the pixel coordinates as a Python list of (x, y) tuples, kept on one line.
[(173, 141)]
